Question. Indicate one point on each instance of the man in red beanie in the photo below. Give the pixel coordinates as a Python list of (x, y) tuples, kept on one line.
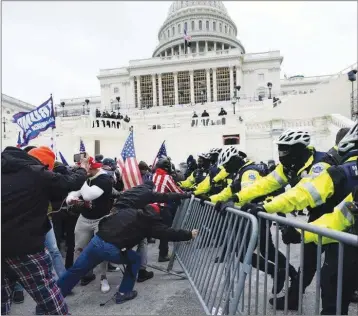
[(96, 193), (28, 186)]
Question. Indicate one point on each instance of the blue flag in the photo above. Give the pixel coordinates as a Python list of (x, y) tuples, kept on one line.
[(37, 121), (63, 159), (82, 147)]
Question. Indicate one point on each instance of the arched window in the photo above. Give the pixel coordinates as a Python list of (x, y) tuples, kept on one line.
[(220, 27), (214, 26), (200, 25), (173, 30), (185, 26), (225, 29), (168, 33), (192, 25), (179, 28), (207, 25)]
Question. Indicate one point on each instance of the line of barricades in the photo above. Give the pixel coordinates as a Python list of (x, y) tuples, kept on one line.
[(218, 264)]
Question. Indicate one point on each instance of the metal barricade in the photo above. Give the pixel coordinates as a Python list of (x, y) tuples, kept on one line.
[(336, 273), (218, 261)]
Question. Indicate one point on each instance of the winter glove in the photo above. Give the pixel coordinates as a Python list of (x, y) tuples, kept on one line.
[(290, 235), (221, 207), (252, 208), (203, 198)]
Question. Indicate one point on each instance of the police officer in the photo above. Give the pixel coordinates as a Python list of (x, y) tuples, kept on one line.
[(320, 194), (344, 218), (298, 161), (197, 175), (245, 173), (215, 181)]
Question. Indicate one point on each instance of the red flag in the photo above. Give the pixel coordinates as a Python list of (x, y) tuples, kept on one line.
[(130, 171)]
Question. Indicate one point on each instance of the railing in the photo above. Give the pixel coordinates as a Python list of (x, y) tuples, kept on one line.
[(218, 264), (102, 122)]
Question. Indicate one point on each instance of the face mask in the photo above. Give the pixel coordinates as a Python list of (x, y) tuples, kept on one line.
[(234, 164)]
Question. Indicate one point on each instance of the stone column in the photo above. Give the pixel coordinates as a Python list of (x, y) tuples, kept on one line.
[(172, 51), (180, 51), (165, 53), (208, 87), (197, 47), (237, 83), (176, 96), (160, 90), (231, 81), (206, 46), (138, 92), (154, 91), (192, 96), (215, 92), (222, 46), (214, 46)]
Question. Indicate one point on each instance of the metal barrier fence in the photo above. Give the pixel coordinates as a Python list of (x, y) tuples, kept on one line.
[(335, 278), (211, 263), (218, 264)]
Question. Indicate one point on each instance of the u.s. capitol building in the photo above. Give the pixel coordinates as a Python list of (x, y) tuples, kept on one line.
[(160, 94)]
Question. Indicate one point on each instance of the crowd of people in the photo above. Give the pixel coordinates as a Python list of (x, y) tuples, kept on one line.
[(85, 206), (115, 117)]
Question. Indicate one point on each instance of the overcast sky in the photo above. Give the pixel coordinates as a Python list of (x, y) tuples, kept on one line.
[(59, 47)]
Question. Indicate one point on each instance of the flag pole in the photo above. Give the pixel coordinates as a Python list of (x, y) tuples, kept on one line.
[(53, 134)]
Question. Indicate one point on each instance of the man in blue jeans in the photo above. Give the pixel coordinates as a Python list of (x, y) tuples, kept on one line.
[(131, 220)]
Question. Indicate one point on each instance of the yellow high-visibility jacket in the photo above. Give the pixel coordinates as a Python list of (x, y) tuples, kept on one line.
[(189, 182), (340, 219), (205, 186), (278, 179), (247, 179), (310, 191)]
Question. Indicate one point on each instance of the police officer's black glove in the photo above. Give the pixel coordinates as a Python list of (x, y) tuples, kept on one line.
[(290, 235), (203, 198), (252, 208), (221, 207)]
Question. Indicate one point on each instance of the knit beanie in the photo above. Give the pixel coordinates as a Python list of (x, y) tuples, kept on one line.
[(45, 155), (94, 164)]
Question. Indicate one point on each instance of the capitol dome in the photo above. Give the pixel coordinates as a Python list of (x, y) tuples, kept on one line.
[(207, 22)]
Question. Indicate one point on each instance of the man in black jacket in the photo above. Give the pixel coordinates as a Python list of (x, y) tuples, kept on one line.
[(27, 188), (131, 220)]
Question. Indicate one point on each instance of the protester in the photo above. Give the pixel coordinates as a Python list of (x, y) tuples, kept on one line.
[(164, 183), (131, 221), (28, 186), (145, 171), (222, 112), (96, 195)]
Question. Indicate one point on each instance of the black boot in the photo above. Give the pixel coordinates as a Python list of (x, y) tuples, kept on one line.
[(18, 297), (87, 279), (292, 302), (165, 258), (144, 275)]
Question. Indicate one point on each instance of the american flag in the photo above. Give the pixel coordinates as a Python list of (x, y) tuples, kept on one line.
[(130, 171), (187, 39), (19, 140), (161, 153), (82, 147)]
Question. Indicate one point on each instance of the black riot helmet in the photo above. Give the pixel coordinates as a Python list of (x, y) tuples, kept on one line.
[(165, 164)]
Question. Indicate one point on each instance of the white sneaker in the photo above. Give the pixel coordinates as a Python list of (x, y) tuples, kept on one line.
[(105, 288)]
